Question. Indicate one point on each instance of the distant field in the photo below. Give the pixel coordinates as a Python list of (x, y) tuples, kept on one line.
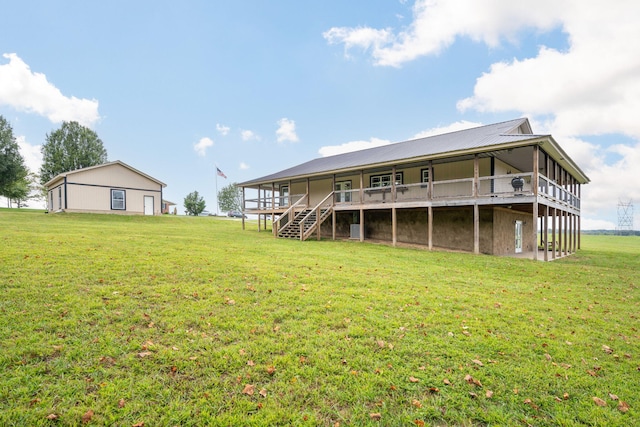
[(131, 321)]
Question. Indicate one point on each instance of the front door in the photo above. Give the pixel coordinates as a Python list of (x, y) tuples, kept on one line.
[(343, 192), (148, 205), (518, 237)]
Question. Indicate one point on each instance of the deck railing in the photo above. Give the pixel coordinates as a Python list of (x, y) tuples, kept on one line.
[(488, 186), (272, 203)]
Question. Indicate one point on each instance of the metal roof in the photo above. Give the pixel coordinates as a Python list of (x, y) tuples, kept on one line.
[(469, 140), (116, 162)]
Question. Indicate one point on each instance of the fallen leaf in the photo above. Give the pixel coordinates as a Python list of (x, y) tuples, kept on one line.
[(263, 392), (416, 403), (144, 354), (477, 362), (249, 389), (419, 423), (52, 417), (607, 349), (87, 416), (473, 395), (613, 396), (413, 380), (121, 403), (375, 416), (434, 389), (271, 370), (446, 382), (251, 363), (599, 401), (140, 424), (557, 399), (565, 396), (547, 356), (380, 343), (623, 406), (489, 394), (592, 373)]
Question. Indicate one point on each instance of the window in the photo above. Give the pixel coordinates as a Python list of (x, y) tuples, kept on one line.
[(118, 200), (384, 180), (284, 195), (425, 175), (59, 197)]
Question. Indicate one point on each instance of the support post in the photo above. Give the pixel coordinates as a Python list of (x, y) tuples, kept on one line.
[(394, 226), (476, 228), (430, 225), (545, 233)]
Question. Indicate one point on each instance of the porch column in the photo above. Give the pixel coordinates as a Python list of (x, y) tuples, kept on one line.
[(534, 185), (274, 229), (361, 225), (430, 188), (476, 228), (566, 220), (333, 224), (430, 225), (535, 229), (394, 226), (244, 206), (545, 233), (560, 215), (259, 207), (476, 175), (553, 233), (361, 192), (393, 184)]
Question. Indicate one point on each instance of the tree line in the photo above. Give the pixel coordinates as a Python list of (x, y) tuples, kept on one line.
[(68, 148)]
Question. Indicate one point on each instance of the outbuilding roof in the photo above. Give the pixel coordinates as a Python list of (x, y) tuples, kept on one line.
[(116, 162), (499, 135)]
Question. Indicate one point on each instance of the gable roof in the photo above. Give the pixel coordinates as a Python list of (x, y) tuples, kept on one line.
[(116, 162), (502, 135)]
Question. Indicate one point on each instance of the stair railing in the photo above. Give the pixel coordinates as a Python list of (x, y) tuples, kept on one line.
[(320, 217), (287, 213)]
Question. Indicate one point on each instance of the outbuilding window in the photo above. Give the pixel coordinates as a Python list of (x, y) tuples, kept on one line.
[(118, 200)]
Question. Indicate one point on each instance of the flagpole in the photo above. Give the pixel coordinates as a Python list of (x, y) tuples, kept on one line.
[(217, 210)]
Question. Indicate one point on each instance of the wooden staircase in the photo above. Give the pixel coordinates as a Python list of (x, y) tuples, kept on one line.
[(309, 220)]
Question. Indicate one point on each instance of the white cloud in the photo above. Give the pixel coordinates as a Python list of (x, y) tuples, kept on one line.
[(248, 135), (244, 166), (30, 92), (436, 24), (201, 146), (31, 153), (453, 127), (347, 147), (222, 129), (286, 130)]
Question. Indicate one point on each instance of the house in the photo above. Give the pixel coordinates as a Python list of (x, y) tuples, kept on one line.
[(113, 187), (498, 189), (166, 206)]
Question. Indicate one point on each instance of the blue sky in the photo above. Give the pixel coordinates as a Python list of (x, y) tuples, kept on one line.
[(175, 88)]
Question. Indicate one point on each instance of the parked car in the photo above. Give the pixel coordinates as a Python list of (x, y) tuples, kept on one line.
[(236, 214), (205, 213)]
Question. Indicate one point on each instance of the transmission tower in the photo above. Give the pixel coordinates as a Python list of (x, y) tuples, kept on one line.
[(625, 217)]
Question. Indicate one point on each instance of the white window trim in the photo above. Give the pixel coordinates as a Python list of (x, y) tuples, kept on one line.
[(124, 200), (384, 180)]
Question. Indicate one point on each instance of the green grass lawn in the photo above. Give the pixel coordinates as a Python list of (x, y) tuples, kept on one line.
[(114, 320)]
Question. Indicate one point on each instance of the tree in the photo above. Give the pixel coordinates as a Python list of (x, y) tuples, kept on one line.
[(12, 167), (194, 204), (230, 198), (69, 148)]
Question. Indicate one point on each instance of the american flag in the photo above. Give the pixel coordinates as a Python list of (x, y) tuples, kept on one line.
[(220, 173)]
